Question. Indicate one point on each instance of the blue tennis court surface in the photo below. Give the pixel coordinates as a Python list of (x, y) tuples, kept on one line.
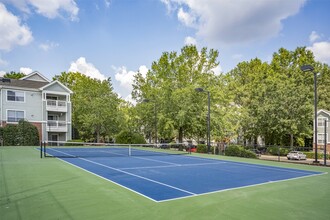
[(163, 178)]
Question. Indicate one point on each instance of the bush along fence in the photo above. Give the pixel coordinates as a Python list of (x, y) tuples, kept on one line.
[(22, 134)]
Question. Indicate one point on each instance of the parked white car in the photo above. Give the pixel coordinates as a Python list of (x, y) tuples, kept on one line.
[(296, 155)]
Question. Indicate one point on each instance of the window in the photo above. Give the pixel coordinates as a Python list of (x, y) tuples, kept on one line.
[(15, 96), (14, 115), (320, 121), (320, 138)]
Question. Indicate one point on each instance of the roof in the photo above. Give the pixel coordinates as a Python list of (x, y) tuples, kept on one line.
[(59, 83), (324, 111), (23, 84), (35, 76)]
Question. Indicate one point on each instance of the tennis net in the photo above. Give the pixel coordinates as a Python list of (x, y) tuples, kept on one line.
[(79, 149)]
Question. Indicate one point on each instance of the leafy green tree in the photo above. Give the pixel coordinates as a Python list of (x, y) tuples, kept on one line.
[(95, 106), (275, 100), (170, 85), (129, 137), (14, 75)]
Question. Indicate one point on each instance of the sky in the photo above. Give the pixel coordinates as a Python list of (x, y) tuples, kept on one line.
[(117, 38)]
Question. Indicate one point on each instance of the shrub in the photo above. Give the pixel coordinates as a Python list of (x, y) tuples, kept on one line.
[(239, 151), (201, 148), (274, 151), (73, 142), (10, 135), (27, 134), (320, 156), (128, 137)]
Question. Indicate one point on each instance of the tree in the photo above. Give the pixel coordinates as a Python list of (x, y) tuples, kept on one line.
[(276, 99), (170, 85), (14, 75), (95, 106)]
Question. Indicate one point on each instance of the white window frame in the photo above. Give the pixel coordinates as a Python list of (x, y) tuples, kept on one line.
[(320, 121), (16, 121), (16, 96)]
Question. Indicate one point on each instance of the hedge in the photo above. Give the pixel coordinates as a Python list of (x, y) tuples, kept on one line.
[(274, 151), (239, 151), (23, 134)]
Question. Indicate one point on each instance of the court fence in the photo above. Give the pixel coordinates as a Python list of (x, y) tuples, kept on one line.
[(278, 153)]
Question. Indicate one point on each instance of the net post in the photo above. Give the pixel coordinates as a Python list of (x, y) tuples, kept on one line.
[(44, 149), (129, 150), (41, 150)]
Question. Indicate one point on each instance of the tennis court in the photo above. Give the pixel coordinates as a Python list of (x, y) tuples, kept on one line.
[(161, 176)]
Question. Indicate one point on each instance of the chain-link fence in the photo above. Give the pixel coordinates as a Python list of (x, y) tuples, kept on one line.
[(276, 153)]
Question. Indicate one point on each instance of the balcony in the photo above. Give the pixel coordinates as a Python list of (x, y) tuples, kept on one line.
[(57, 126), (56, 105)]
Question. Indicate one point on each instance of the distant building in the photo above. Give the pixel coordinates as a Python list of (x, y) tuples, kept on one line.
[(323, 118), (45, 104)]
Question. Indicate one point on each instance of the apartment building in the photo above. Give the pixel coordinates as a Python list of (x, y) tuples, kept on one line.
[(323, 130), (43, 103)]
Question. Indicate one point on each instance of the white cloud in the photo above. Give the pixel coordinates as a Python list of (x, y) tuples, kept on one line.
[(88, 69), (321, 51), (126, 78), (48, 45), (25, 70), (2, 73), (314, 37), (189, 19), (107, 3), (50, 8), (217, 70), (237, 56), (239, 21), (12, 32), (190, 41)]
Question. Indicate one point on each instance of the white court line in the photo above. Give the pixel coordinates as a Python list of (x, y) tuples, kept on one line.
[(159, 161), (169, 166)]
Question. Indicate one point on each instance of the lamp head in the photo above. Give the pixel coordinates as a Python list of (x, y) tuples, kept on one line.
[(199, 90), (306, 68)]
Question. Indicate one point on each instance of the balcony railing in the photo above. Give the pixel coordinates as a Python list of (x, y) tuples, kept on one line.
[(56, 105), (57, 126)]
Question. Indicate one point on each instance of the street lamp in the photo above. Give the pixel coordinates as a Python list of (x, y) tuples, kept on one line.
[(155, 116), (208, 118), (310, 68)]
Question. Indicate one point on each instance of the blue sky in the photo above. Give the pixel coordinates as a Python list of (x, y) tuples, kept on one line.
[(116, 38)]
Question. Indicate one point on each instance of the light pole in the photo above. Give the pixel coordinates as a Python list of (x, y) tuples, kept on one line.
[(155, 117), (208, 118), (310, 68)]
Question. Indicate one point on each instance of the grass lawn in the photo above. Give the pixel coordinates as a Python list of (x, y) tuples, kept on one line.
[(48, 188)]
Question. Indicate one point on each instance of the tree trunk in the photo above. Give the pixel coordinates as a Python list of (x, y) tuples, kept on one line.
[(180, 135)]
